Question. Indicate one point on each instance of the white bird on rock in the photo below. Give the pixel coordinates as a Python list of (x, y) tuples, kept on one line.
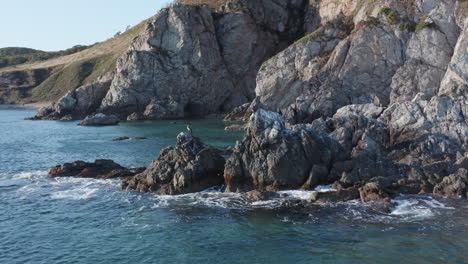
[(189, 129)]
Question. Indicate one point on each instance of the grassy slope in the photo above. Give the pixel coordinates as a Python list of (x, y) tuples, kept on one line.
[(79, 68)]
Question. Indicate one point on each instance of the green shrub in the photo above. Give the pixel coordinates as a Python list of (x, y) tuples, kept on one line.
[(404, 27), (385, 10), (372, 21), (423, 25), (392, 16)]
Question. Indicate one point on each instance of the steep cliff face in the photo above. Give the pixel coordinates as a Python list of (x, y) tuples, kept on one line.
[(198, 61), (402, 52)]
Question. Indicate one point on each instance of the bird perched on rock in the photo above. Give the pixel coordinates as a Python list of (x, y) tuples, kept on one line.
[(189, 129)]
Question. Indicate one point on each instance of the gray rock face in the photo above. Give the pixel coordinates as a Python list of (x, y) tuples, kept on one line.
[(79, 103), (199, 62), (177, 55), (441, 115), (189, 167), (455, 81), (289, 74), (454, 184), (381, 62), (367, 110), (100, 119), (273, 157)]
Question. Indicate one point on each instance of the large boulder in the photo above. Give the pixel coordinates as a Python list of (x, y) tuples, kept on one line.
[(273, 157), (455, 184), (100, 119), (190, 166), (101, 169)]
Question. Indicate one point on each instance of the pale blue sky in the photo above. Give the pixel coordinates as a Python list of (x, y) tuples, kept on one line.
[(60, 24)]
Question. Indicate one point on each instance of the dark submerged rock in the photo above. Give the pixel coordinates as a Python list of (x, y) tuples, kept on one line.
[(121, 139), (100, 169)]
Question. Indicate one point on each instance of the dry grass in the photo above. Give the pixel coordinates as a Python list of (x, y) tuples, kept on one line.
[(115, 46)]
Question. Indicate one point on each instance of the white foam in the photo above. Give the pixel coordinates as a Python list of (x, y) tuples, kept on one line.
[(75, 194), (413, 208), (210, 198), (297, 194), (325, 188)]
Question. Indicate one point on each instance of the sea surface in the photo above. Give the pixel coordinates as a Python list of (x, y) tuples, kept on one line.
[(69, 220)]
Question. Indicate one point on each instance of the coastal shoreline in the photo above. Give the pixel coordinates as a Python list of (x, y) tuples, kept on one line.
[(36, 106)]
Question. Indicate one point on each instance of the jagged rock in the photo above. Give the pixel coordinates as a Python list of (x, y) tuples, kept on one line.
[(79, 103), (260, 195), (341, 195), (425, 150), (102, 169), (454, 184), (441, 115), (100, 120), (288, 74), (238, 114), (367, 110), (190, 166), (356, 133), (160, 110), (373, 192), (235, 128), (242, 113), (273, 157), (455, 81), (201, 61)]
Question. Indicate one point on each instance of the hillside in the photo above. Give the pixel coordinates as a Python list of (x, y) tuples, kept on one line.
[(67, 72), (13, 51)]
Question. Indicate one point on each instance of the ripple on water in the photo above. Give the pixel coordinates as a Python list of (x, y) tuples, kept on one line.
[(35, 183)]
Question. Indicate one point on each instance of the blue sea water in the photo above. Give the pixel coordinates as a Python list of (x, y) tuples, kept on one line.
[(69, 220)]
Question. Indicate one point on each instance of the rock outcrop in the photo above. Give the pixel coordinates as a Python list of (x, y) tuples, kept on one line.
[(354, 152), (455, 184), (16, 86), (190, 166), (396, 52), (193, 61), (273, 157), (79, 103), (101, 169), (100, 120)]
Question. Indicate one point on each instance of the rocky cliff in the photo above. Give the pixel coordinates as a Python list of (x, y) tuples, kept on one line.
[(368, 94)]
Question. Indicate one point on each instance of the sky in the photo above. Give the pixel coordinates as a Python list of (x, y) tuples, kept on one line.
[(53, 25)]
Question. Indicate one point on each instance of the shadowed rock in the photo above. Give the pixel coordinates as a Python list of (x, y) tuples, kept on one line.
[(455, 184), (190, 166), (100, 169), (100, 120), (273, 157)]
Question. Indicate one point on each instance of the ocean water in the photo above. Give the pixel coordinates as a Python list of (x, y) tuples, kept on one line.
[(69, 220)]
